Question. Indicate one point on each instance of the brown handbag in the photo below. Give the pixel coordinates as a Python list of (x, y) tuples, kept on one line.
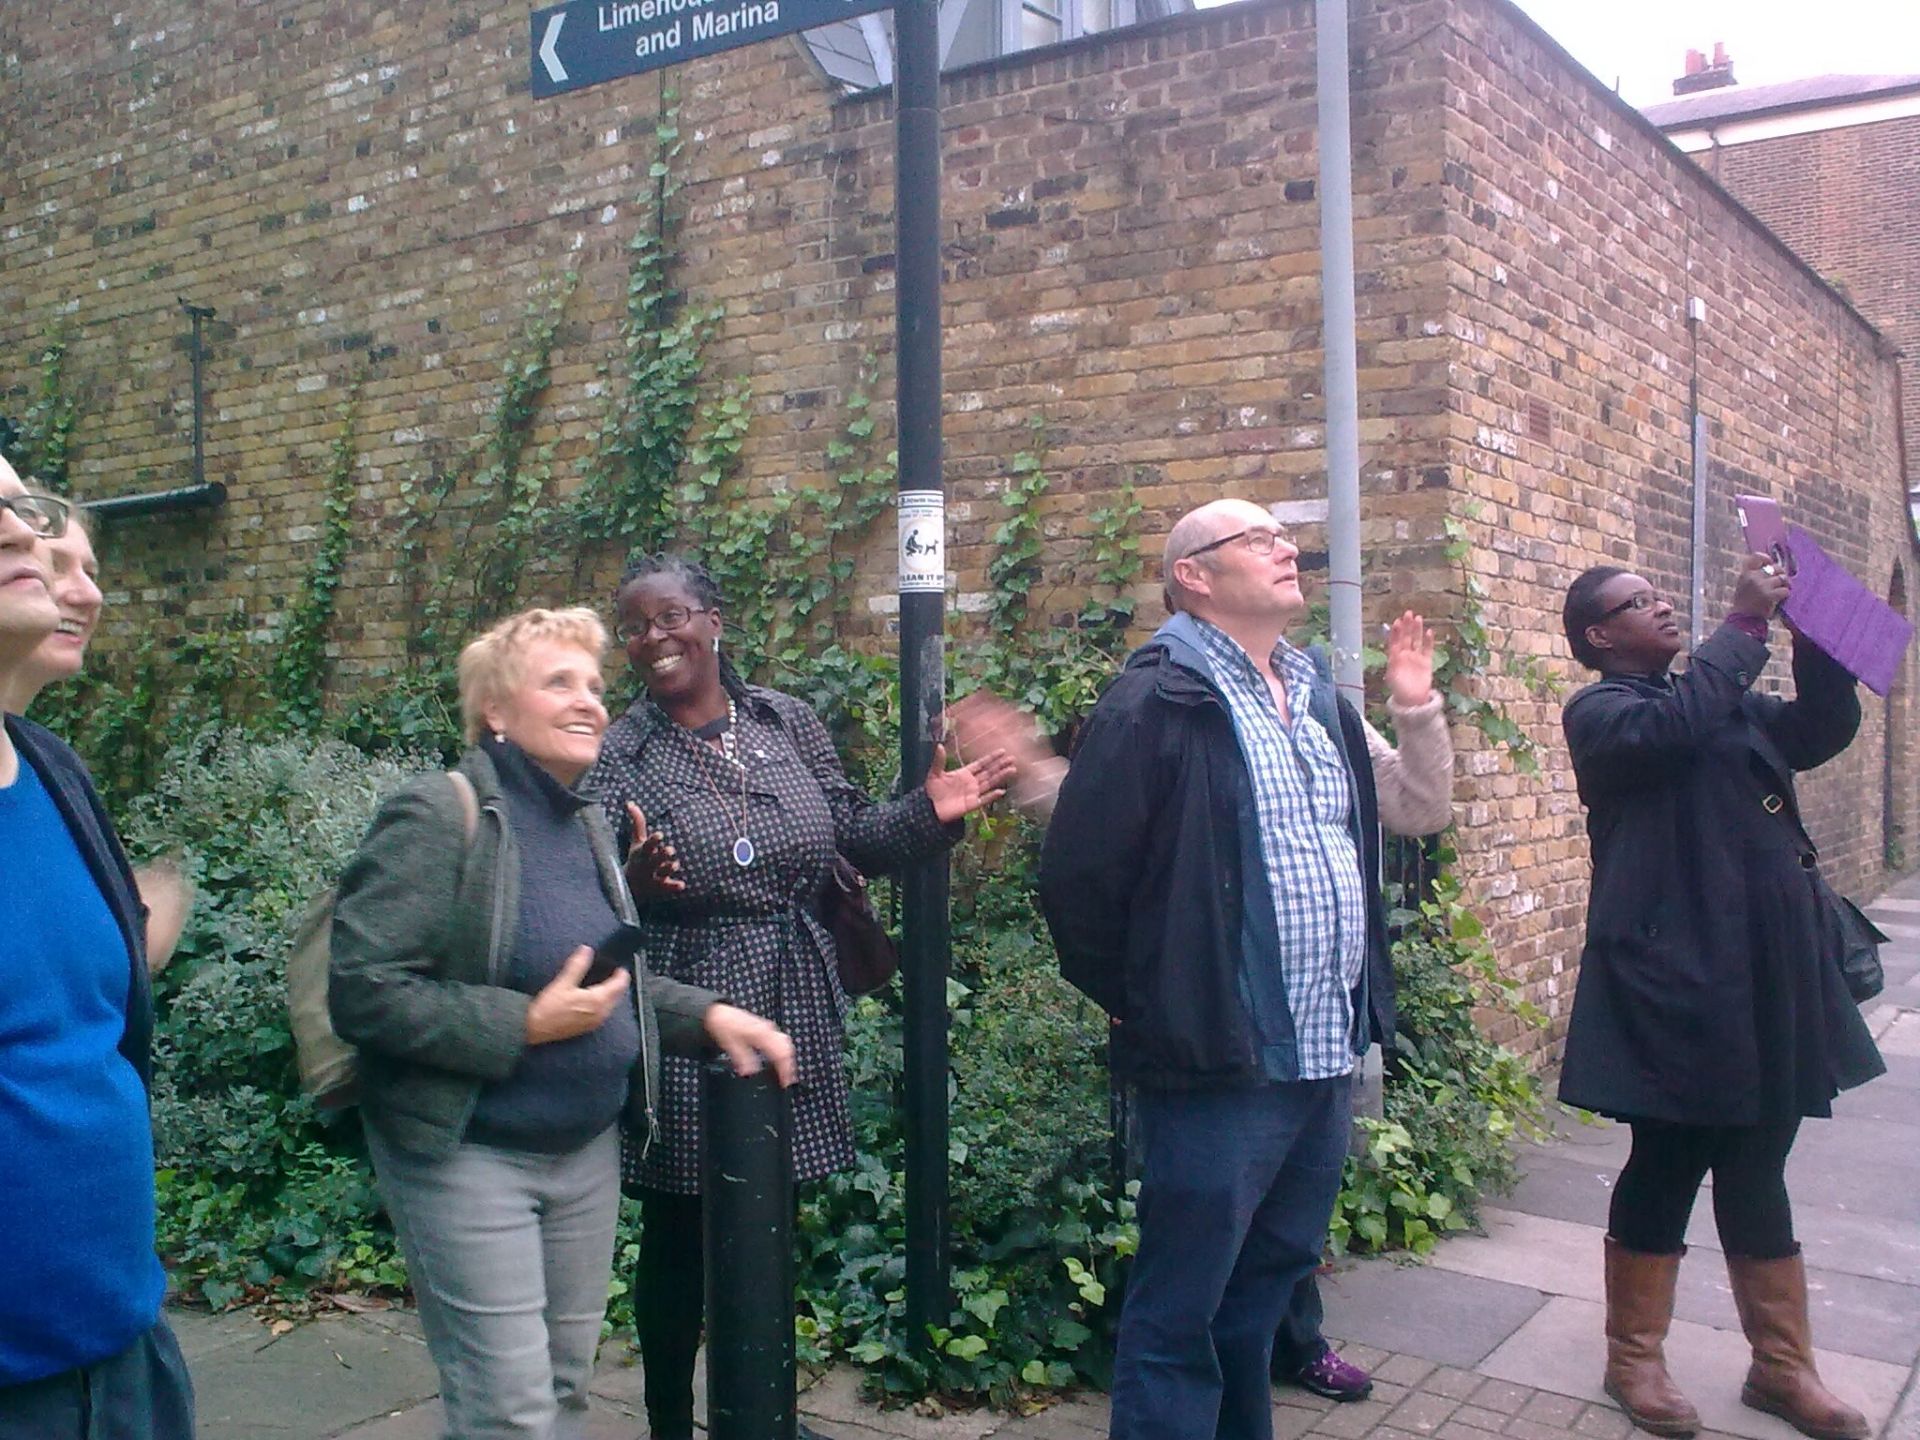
[(864, 954)]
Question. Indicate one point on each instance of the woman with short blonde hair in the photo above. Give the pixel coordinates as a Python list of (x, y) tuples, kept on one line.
[(496, 1065), (492, 664)]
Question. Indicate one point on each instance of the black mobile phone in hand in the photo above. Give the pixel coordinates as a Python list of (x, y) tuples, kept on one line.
[(616, 952)]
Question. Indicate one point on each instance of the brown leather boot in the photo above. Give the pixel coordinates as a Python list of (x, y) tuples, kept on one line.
[(1772, 1299), (1639, 1309)]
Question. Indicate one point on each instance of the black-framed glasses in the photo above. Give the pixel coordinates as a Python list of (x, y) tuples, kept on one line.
[(1260, 541), (674, 617), (45, 515), (1641, 600)]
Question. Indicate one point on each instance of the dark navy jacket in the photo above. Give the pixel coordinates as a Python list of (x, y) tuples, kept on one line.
[(1153, 886), (71, 787)]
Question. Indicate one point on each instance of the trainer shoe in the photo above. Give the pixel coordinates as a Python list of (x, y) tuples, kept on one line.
[(1334, 1378)]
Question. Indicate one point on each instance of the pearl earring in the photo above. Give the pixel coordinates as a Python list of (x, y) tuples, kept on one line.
[(499, 737)]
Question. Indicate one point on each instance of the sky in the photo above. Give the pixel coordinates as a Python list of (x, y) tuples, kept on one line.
[(1642, 44)]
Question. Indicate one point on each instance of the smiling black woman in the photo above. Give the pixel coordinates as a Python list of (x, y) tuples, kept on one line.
[(747, 805)]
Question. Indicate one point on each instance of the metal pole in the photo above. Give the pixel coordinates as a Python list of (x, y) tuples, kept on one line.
[(747, 1182), (1697, 589), (925, 952), (1337, 324), (1343, 405)]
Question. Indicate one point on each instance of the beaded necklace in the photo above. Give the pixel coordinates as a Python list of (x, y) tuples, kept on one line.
[(729, 749)]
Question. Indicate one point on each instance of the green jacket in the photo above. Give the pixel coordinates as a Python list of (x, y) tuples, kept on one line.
[(422, 927)]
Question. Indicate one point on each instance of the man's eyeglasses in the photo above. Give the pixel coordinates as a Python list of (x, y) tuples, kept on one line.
[(1641, 600), (673, 618), (45, 515), (1259, 541)]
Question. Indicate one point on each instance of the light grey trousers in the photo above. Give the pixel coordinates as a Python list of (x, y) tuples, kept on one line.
[(510, 1254)]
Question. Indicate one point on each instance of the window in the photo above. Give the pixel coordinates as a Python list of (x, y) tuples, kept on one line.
[(1029, 24)]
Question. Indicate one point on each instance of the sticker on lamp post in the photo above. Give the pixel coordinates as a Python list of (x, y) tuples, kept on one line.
[(923, 541)]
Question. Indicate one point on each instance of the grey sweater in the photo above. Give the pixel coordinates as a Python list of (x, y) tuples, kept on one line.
[(422, 933)]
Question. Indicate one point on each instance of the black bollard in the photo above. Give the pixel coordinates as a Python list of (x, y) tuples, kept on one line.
[(747, 1179)]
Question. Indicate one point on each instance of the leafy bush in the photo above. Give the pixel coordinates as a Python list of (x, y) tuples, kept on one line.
[(1454, 1099), (258, 1191), (260, 1195), (1036, 1234)]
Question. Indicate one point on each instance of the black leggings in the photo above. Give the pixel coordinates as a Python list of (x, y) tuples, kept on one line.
[(1654, 1197), (669, 1307)]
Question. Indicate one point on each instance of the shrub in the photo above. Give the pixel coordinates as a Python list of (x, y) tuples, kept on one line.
[(1454, 1099), (258, 1191), (260, 1195)]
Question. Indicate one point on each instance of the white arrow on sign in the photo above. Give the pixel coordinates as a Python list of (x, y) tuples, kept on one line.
[(549, 48)]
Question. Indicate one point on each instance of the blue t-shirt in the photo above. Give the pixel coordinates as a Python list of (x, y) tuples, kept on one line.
[(79, 1280)]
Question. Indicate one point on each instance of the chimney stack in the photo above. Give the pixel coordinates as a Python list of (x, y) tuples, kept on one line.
[(1704, 76)]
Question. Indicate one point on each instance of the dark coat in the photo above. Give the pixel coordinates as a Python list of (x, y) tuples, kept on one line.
[(1153, 887), (71, 787), (1708, 994)]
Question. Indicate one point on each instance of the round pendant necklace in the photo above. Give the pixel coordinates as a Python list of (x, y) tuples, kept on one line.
[(742, 843)]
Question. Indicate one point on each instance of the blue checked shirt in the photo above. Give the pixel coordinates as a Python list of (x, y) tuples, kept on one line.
[(1304, 801)]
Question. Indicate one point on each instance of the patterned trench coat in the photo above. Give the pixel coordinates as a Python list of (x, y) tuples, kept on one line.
[(750, 932)]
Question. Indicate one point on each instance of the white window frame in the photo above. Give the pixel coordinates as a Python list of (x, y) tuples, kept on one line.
[(1072, 17)]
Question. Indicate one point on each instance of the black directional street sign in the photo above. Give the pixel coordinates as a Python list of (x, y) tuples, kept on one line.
[(588, 41)]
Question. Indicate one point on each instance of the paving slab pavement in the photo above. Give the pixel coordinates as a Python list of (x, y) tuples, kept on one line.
[(1498, 1337)]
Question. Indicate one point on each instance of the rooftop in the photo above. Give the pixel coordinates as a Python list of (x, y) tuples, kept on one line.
[(1741, 101)]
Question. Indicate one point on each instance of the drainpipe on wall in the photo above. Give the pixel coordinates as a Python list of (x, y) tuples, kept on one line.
[(1696, 312)]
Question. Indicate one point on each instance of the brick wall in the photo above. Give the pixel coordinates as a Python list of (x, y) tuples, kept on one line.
[(1130, 237), (1579, 237), (1849, 201)]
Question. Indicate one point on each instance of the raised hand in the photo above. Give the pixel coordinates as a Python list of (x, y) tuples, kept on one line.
[(1759, 587), (653, 870), (967, 788), (983, 723), (1409, 660)]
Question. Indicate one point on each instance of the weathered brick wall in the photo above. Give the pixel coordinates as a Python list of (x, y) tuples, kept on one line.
[(1130, 233), (1579, 237), (1848, 200), (1130, 236)]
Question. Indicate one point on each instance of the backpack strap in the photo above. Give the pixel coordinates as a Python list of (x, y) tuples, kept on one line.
[(469, 801)]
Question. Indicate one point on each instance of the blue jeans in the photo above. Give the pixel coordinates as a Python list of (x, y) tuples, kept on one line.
[(1235, 1195), (143, 1393)]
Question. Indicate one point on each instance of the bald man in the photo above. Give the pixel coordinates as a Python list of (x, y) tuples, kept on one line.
[(1211, 877)]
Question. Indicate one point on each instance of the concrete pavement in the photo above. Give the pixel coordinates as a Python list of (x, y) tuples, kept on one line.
[(1497, 1336)]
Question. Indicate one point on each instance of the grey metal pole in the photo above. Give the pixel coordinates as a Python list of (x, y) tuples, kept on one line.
[(925, 942), (1697, 590), (1337, 324), (747, 1182), (1343, 406)]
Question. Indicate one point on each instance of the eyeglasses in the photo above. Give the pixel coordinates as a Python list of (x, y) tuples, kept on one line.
[(45, 515), (674, 617), (1641, 600), (1260, 542)]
